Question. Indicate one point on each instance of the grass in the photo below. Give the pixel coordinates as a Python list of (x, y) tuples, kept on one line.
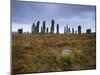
[(67, 61), (42, 53)]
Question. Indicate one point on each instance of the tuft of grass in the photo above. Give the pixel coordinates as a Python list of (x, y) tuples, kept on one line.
[(67, 61)]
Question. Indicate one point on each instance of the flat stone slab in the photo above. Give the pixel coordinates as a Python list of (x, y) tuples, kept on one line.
[(66, 51)]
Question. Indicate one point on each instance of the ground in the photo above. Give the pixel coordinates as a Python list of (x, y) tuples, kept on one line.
[(43, 53)]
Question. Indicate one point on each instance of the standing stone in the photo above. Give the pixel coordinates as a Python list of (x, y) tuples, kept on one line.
[(37, 28), (88, 31), (65, 30), (75, 31), (57, 28), (41, 29), (52, 26), (44, 27), (72, 30), (47, 30), (20, 31), (68, 30), (33, 30), (79, 29)]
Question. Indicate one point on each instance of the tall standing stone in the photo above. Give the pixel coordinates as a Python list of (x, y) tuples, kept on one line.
[(72, 30), (37, 28), (52, 26), (65, 30), (79, 29), (33, 30), (47, 30), (44, 27), (41, 29), (68, 30), (75, 31), (57, 28)]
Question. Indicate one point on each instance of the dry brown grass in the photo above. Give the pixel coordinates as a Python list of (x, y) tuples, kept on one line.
[(42, 53)]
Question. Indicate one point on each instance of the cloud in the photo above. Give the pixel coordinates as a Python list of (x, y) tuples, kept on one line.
[(28, 12)]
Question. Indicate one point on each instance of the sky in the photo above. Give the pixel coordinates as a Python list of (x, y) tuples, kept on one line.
[(25, 13)]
